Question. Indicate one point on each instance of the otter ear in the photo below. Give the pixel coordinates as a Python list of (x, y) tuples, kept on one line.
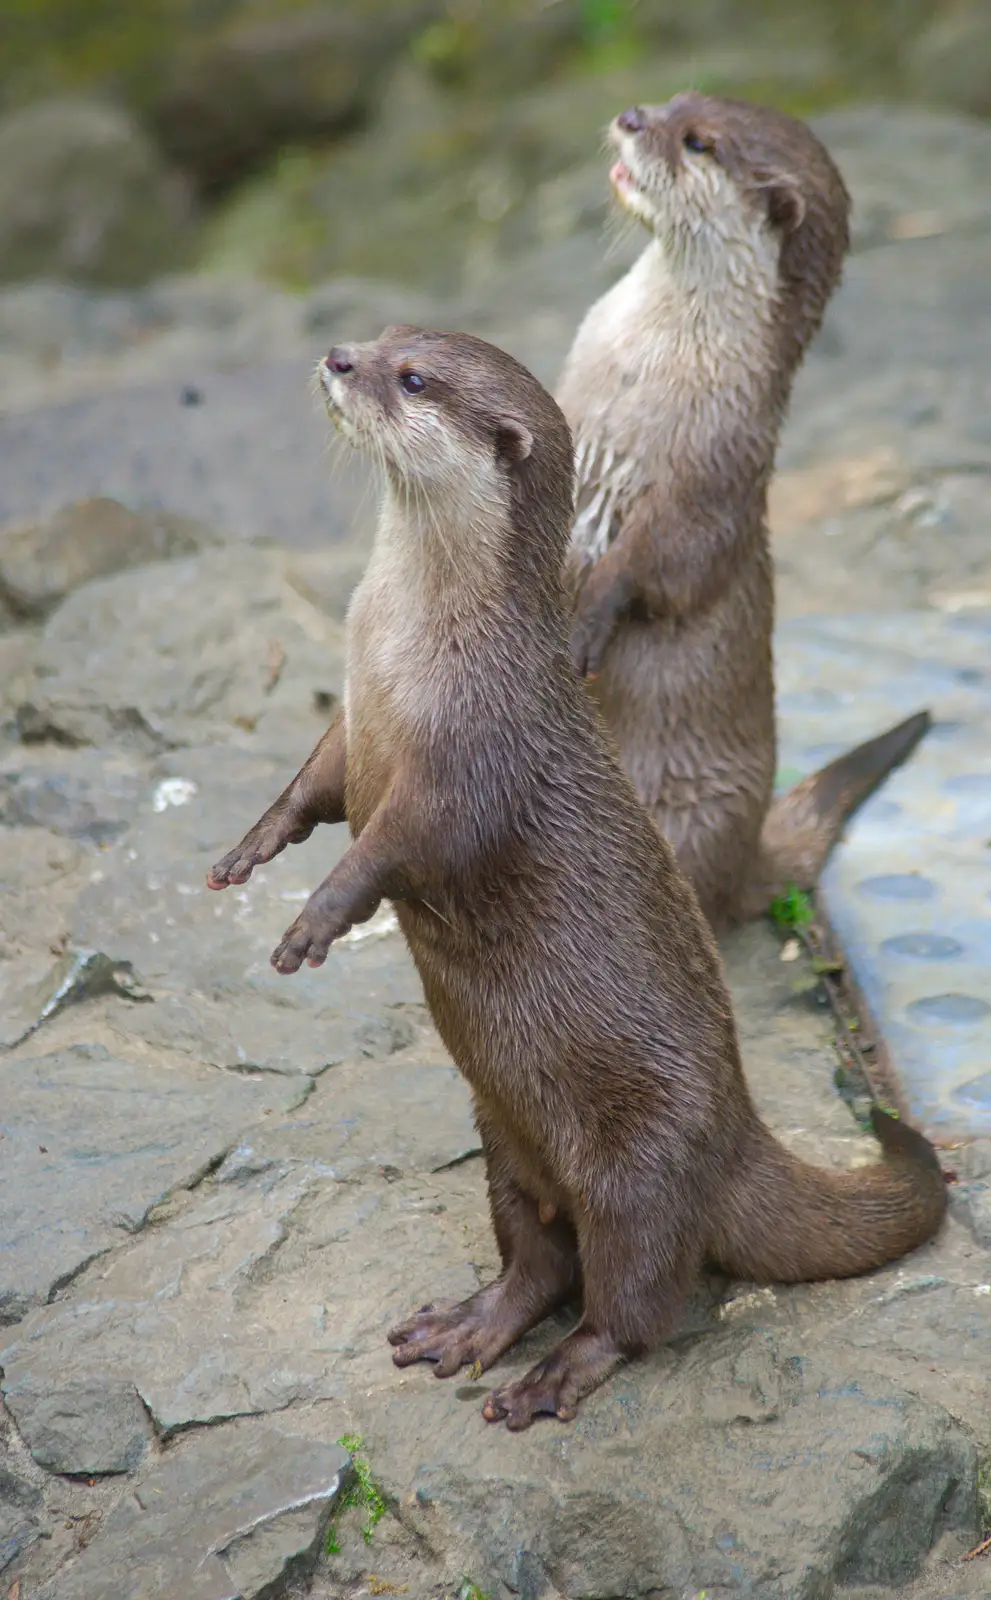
[(514, 441), (785, 205)]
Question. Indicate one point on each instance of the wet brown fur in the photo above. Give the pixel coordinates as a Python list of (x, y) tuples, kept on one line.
[(675, 390), (563, 955)]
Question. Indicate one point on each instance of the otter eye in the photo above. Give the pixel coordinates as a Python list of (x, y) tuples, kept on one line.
[(696, 143), (412, 382)]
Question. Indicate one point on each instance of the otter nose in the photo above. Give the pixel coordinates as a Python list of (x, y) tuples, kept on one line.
[(632, 121), (340, 359)]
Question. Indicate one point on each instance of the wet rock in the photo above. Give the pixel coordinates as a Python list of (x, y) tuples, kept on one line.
[(210, 646), (78, 975), (78, 794), (270, 1291), (91, 1143), (95, 1425), (847, 1478), (205, 956), (229, 1515), (41, 562), (84, 195)]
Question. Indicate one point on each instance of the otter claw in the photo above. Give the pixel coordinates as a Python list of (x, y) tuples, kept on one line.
[(308, 939), (265, 840)]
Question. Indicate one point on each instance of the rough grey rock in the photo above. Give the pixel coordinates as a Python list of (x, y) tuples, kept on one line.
[(84, 194), (93, 1425), (78, 975), (329, 577), (19, 1524), (695, 1473), (205, 956), (117, 1135), (229, 1515), (348, 1126), (41, 562), (40, 878), (273, 1289), (740, 1459), (210, 647), (753, 1453), (249, 457), (89, 795)]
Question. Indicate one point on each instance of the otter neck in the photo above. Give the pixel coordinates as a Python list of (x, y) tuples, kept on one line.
[(724, 302), (452, 553)]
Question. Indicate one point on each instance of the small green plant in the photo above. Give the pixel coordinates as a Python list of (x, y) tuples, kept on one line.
[(984, 1496), (792, 910), (471, 1591), (363, 1492)]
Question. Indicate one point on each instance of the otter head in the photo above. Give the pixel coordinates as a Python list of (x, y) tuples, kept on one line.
[(460, 429), (730, 189)]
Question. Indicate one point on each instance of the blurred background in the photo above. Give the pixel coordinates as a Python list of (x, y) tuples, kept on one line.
[(198, 196), (432, 141)]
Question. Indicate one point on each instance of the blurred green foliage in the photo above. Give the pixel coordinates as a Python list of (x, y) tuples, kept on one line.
[(52, 45)]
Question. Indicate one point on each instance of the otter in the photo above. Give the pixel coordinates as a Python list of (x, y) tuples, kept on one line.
[(563, 955), (675, 389)]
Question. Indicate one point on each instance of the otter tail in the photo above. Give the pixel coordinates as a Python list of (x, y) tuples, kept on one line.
[(788, 1222), (802, 825)]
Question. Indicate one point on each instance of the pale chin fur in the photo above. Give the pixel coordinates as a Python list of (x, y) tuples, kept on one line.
[(701, 221), (700, 285)]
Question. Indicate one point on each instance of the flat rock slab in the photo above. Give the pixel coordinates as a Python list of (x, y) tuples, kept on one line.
[(228, 1516), (91, 1143), (210, 647), (204, 956), (248, 455), (908, 892), (739, 1465), (92, 1425), (271, 1292)]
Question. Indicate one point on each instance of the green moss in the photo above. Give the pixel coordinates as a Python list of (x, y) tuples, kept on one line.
[(362, 1492), (793, 909)]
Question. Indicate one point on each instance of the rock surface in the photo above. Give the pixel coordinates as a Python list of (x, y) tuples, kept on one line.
[(91, 1143), (84, 195), (288, 79), (41, 564), (230, 1516)]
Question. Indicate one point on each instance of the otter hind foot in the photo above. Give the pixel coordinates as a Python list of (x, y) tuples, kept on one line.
[(555, 1385), (475, 1332)]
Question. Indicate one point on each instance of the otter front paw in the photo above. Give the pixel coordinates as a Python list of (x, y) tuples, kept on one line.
[(324, 918), (268, 838), (601, 604)]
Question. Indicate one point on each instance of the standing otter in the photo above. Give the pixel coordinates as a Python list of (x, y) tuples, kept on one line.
[(563, 955), (675, 390)]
